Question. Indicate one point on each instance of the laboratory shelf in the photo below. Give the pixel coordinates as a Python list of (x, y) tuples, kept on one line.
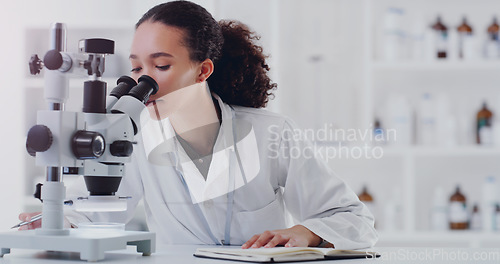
[(389, 151), (433, 152), (454, 65), (460, 238), (416, 170)]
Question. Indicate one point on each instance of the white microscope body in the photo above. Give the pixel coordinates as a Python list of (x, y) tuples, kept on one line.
[(95, 143)]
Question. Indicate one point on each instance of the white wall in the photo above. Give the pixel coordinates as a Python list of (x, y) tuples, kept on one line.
[(321, 52)]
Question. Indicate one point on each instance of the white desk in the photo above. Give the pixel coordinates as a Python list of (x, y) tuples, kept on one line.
[(183, 254)]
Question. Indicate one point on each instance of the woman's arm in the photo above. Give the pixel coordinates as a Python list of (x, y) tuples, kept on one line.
[(320, 201), (322, 204)]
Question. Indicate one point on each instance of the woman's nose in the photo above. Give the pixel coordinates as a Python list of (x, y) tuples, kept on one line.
[(148, 72)]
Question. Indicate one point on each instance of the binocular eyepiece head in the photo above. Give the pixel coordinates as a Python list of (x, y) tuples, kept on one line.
[(94, 95), (131, 97), (140, 91)]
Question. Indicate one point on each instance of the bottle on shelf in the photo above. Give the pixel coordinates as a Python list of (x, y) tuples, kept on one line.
[(400, 123), (495, 131), (484, 131), (446, 121), (489, 199), (392, 212), (367, 199), (441, 37), (497, 217), (426, 121), (492, 49), (475, 219), (378, 133), (394, 35), (457, 216), (465, 40), (418, 38), (439, 210)]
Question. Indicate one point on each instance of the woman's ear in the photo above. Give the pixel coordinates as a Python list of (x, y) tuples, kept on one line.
[(206, 69)]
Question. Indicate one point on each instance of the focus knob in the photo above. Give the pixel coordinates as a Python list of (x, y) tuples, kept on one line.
[(53, 60), (88, 144), (121, 148), (39, 139), (35, 64)]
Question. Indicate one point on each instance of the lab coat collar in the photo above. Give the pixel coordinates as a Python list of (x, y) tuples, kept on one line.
[(227, 111)]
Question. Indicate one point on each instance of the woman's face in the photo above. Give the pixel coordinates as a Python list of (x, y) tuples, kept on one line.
[(158, 51)]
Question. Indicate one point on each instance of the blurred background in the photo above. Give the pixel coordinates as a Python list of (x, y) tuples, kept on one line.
[(415, 84)]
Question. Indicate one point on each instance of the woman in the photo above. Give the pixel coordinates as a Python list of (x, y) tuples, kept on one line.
[(214, 168)]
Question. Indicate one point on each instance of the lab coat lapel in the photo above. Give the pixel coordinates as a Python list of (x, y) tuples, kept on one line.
[(242, 155), (192, 176), (216, 183), (219, 171)]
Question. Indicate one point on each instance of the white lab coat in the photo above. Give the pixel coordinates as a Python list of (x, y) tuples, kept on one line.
[(303, 186)]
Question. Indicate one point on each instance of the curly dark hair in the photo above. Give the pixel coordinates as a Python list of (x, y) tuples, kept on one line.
[(240, 74)]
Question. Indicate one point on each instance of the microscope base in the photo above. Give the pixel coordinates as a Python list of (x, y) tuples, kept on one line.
[(90, 244)]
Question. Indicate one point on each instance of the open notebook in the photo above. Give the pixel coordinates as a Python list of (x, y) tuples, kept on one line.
[(281, 254)]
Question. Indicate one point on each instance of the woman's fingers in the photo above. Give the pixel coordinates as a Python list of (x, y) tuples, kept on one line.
[(35, 225), (261, 240), (296, 243), (27, 217), (278, 239), (296, 236), (250, 242)]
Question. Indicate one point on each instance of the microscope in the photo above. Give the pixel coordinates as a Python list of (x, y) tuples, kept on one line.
[(95, 143)]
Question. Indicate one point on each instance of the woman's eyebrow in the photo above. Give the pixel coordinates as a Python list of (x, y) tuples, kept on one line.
[(160, 54), (153, 56)]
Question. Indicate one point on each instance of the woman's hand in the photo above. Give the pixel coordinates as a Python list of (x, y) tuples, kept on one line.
[(296, 236), (26, 217)]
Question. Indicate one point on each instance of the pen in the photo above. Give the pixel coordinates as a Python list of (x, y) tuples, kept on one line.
[(38, 216), (33, 219)]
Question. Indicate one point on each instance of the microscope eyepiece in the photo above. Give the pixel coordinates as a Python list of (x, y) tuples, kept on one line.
[(133, 103), (123, 86), (146, 87), (151, 82)]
